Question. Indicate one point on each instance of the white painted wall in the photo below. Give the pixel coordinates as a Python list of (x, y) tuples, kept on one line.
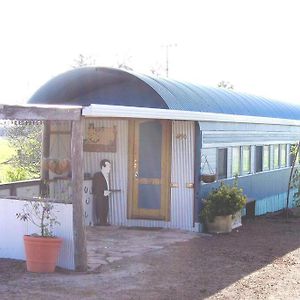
[(12, 231)]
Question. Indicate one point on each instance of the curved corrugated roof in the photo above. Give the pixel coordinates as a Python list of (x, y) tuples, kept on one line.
[(90, 85)]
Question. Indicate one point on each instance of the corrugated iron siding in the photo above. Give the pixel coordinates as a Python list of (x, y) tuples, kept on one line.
[(182, 172), (118, 175), (182, 198), (272, 204)]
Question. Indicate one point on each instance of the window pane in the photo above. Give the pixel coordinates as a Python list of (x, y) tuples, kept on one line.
[(282, 155), (276, 156), (222, 163), (259, 158), (246, 160), (266, 158), (236, 161)]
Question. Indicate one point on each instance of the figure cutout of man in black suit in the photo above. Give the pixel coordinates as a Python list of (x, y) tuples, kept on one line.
[(100, 188)]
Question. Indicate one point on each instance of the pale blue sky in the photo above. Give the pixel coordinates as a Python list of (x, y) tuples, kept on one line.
[(253, 44)]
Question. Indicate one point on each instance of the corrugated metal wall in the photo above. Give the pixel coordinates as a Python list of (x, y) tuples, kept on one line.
[(273, 203), (182, 173), (118, 175), (182, 198), (231, 138)]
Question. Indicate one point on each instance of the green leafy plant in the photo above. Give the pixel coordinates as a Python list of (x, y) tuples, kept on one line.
[(16, 174), (41, 213), (223, 201)]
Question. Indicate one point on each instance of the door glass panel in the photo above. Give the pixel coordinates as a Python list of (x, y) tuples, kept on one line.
[(149, 196), (150, 139)]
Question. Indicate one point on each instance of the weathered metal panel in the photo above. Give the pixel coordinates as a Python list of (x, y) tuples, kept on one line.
[(60, 140), (118, 175), (272, 204), (246, 127), (11, 241), (28, 191), (182, 198), (257, 186), (232, 138)]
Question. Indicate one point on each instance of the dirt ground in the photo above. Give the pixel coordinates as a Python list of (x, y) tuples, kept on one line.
[(260, 260)]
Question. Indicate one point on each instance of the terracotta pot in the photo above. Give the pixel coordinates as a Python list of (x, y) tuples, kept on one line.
[(221, 224), (41, 253)]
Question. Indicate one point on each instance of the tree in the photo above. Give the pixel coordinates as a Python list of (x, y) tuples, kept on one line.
[(225, 85), (26, 139), (83, 61)]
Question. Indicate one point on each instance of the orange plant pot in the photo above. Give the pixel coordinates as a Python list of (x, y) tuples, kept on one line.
[(41, 253)]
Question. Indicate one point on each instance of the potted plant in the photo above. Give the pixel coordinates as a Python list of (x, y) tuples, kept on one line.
[(220, 206), (41, 249)]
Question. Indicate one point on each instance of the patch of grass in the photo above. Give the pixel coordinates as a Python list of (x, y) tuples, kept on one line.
[(6, 152)]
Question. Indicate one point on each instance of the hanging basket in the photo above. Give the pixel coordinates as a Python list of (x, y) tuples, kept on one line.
[(208, 178), (57, 166)]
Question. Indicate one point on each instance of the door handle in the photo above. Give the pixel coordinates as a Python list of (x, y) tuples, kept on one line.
[(136, 174)]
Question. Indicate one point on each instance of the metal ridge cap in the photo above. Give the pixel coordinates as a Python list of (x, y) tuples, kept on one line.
[(99, 110)]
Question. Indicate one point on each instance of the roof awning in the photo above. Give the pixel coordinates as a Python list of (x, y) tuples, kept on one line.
[(98, 110)]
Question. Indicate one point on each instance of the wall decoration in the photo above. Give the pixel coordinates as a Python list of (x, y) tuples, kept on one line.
[(57, 166), (100, 139)]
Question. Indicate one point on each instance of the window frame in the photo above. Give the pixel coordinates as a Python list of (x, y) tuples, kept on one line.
[(223, 176), (277, 166), (282, 146), (260, 157), (239, 160), (248, 171), (269, 158)]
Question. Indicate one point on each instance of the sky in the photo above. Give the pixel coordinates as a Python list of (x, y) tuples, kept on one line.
[(253, 44)]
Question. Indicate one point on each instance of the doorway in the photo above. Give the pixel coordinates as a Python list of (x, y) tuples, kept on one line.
[(149, 169)]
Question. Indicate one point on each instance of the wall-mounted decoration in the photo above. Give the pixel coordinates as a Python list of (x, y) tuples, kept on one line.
[(57, 166), (100, 139)]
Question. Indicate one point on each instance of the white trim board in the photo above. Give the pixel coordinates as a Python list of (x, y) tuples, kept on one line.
[(97, 110)]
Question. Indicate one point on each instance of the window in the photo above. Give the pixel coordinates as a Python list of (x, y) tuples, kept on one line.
[(266, 158), (276, 156), (246, 159), (222, 163), (282, 155), (236, 161), (258, 158)]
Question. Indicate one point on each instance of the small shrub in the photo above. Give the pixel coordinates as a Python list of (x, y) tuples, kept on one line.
[(40, 213), (223, 201), (16, 174)]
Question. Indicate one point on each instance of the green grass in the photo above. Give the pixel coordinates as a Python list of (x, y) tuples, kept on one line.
[(6, 152)]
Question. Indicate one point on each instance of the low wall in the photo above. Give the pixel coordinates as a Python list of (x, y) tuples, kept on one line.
[(12, 231)]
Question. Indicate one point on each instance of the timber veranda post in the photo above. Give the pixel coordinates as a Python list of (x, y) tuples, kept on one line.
[(79, 233)]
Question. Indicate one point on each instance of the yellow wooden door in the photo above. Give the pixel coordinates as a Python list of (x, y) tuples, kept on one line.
[(149, 174)]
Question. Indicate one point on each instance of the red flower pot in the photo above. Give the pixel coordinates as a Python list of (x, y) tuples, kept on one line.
[(41, 253)]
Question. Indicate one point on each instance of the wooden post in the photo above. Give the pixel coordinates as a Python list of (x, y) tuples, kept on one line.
[(45, 148), (79, 234)]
